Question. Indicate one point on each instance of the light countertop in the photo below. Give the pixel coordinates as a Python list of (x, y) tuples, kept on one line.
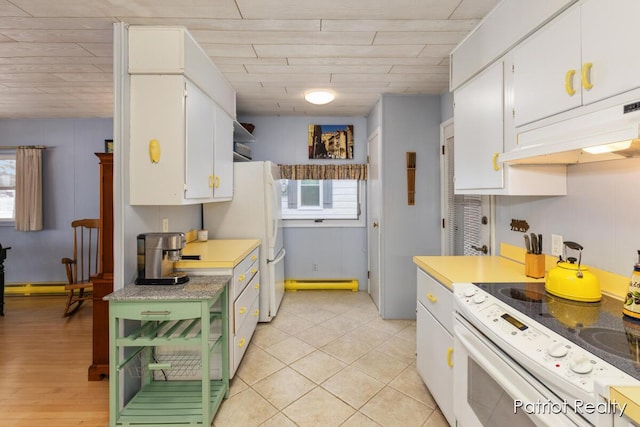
[(486, 269), (216, 253)]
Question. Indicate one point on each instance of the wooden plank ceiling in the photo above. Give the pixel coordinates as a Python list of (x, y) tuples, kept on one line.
[(56, 56)]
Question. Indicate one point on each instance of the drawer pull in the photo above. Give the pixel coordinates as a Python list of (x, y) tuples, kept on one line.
[(449, 358), (257, 285), (431, 297), (586, 75), (243, 310), (494, 161), (253, 257), (155, 313), (241, 342), (256, 313), (254, 270), (568, 82), (241, 277)]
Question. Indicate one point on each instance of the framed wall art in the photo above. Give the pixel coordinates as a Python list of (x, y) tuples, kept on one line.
[(330, 141)]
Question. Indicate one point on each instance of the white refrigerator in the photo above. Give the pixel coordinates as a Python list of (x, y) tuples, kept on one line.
[(254, 213)]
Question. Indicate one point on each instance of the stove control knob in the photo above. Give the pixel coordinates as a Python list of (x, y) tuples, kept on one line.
[(479, 298), (469, 292), (557, 349), (581, 365)]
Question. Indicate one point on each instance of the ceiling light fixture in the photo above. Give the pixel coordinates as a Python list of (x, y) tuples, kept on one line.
[(319, 97)]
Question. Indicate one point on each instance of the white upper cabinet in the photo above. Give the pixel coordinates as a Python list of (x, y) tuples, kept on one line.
[(609, 35), (223, 157), (582, 56), (478, 128), (479, 132), (181, 124)]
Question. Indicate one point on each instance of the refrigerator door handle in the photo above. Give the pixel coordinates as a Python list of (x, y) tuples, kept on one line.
[(278, 257)]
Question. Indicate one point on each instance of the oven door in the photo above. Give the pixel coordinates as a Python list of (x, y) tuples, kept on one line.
[(491, 389)]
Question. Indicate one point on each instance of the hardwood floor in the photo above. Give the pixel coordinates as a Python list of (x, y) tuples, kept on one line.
[(43, 366)]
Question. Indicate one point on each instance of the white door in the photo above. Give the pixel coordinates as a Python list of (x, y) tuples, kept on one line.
[(467, 226), (374, 213)]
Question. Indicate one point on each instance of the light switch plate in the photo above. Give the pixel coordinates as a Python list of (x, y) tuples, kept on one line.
[(165, 225)]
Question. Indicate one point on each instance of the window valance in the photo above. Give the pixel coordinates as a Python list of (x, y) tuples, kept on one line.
[(346, 171)]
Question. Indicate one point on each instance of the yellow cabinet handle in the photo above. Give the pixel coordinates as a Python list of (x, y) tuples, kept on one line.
[(449, 359), (253, 258), (154, 151), (241, 277), (243, 310), (211, 180), (257, 285), (254, 270), (431, 297), (241, 342), (568, 82), (217, 182), (586, 74), (256, 313), (494, 160)]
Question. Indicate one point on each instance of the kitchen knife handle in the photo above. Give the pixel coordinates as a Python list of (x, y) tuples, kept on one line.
[(539, 243), (527, 243)]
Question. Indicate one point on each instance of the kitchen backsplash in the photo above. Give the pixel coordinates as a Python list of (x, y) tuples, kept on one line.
[(600, 212)]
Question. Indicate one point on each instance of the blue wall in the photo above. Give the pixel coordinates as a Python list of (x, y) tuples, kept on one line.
[(339, 252), (70, 191)]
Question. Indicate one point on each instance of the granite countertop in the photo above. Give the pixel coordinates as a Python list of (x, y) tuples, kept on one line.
[(197, 288), (216, 253)]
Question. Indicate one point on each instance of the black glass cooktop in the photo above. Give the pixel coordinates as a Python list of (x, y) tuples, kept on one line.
[(598, 327)]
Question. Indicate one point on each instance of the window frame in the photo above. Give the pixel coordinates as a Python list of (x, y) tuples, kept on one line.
[(9, 155), (360, 221)]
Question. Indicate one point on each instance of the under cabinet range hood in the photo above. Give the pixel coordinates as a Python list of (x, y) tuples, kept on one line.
[(607, 134)]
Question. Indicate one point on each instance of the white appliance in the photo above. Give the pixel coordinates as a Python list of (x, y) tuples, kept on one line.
[(255, 213), (511, 370)]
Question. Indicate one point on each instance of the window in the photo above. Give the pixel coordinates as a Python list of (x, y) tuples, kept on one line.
[(7, 186), (318, 200)]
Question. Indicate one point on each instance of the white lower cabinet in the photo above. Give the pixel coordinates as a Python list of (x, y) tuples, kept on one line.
[(434, 341), (243, 300)]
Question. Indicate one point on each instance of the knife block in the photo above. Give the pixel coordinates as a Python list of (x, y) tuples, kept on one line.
[(534, 265)]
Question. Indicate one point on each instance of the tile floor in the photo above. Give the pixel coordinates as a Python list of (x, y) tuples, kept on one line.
[(328, 359)]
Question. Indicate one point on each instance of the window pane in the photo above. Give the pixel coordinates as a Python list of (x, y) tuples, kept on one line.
[(318, 199), (310, 193), (7, 204)]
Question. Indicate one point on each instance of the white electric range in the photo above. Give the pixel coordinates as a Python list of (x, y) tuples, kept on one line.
[(524, 357)]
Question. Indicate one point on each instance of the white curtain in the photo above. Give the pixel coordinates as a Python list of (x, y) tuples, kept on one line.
[(28, 189)]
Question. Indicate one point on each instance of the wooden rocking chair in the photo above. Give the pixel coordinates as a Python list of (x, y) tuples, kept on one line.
[(84, 265)]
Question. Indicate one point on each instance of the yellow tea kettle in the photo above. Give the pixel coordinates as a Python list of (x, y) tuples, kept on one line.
[(573, 281)]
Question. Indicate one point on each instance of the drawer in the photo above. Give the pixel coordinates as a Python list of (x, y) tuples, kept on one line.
[(149, 310), (242, 306), (244, 271), (436, 298), (243, 336)]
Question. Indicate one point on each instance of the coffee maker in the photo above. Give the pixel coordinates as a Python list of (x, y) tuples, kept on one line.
[(156, 254)]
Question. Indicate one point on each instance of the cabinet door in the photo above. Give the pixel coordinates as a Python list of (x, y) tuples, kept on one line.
[(608, 41), (547, 70), (434, 360), (200, 115), (479, 135), (223, 155)]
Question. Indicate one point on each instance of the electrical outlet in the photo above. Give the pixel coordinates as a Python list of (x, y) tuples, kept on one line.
[(556, 244), (314, 267), (165, 225)]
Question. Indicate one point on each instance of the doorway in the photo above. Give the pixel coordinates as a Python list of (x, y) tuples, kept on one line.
[(467, 220), (374, 216)]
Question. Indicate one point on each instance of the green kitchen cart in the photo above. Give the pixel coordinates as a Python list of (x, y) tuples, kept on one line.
[(179, 335)]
